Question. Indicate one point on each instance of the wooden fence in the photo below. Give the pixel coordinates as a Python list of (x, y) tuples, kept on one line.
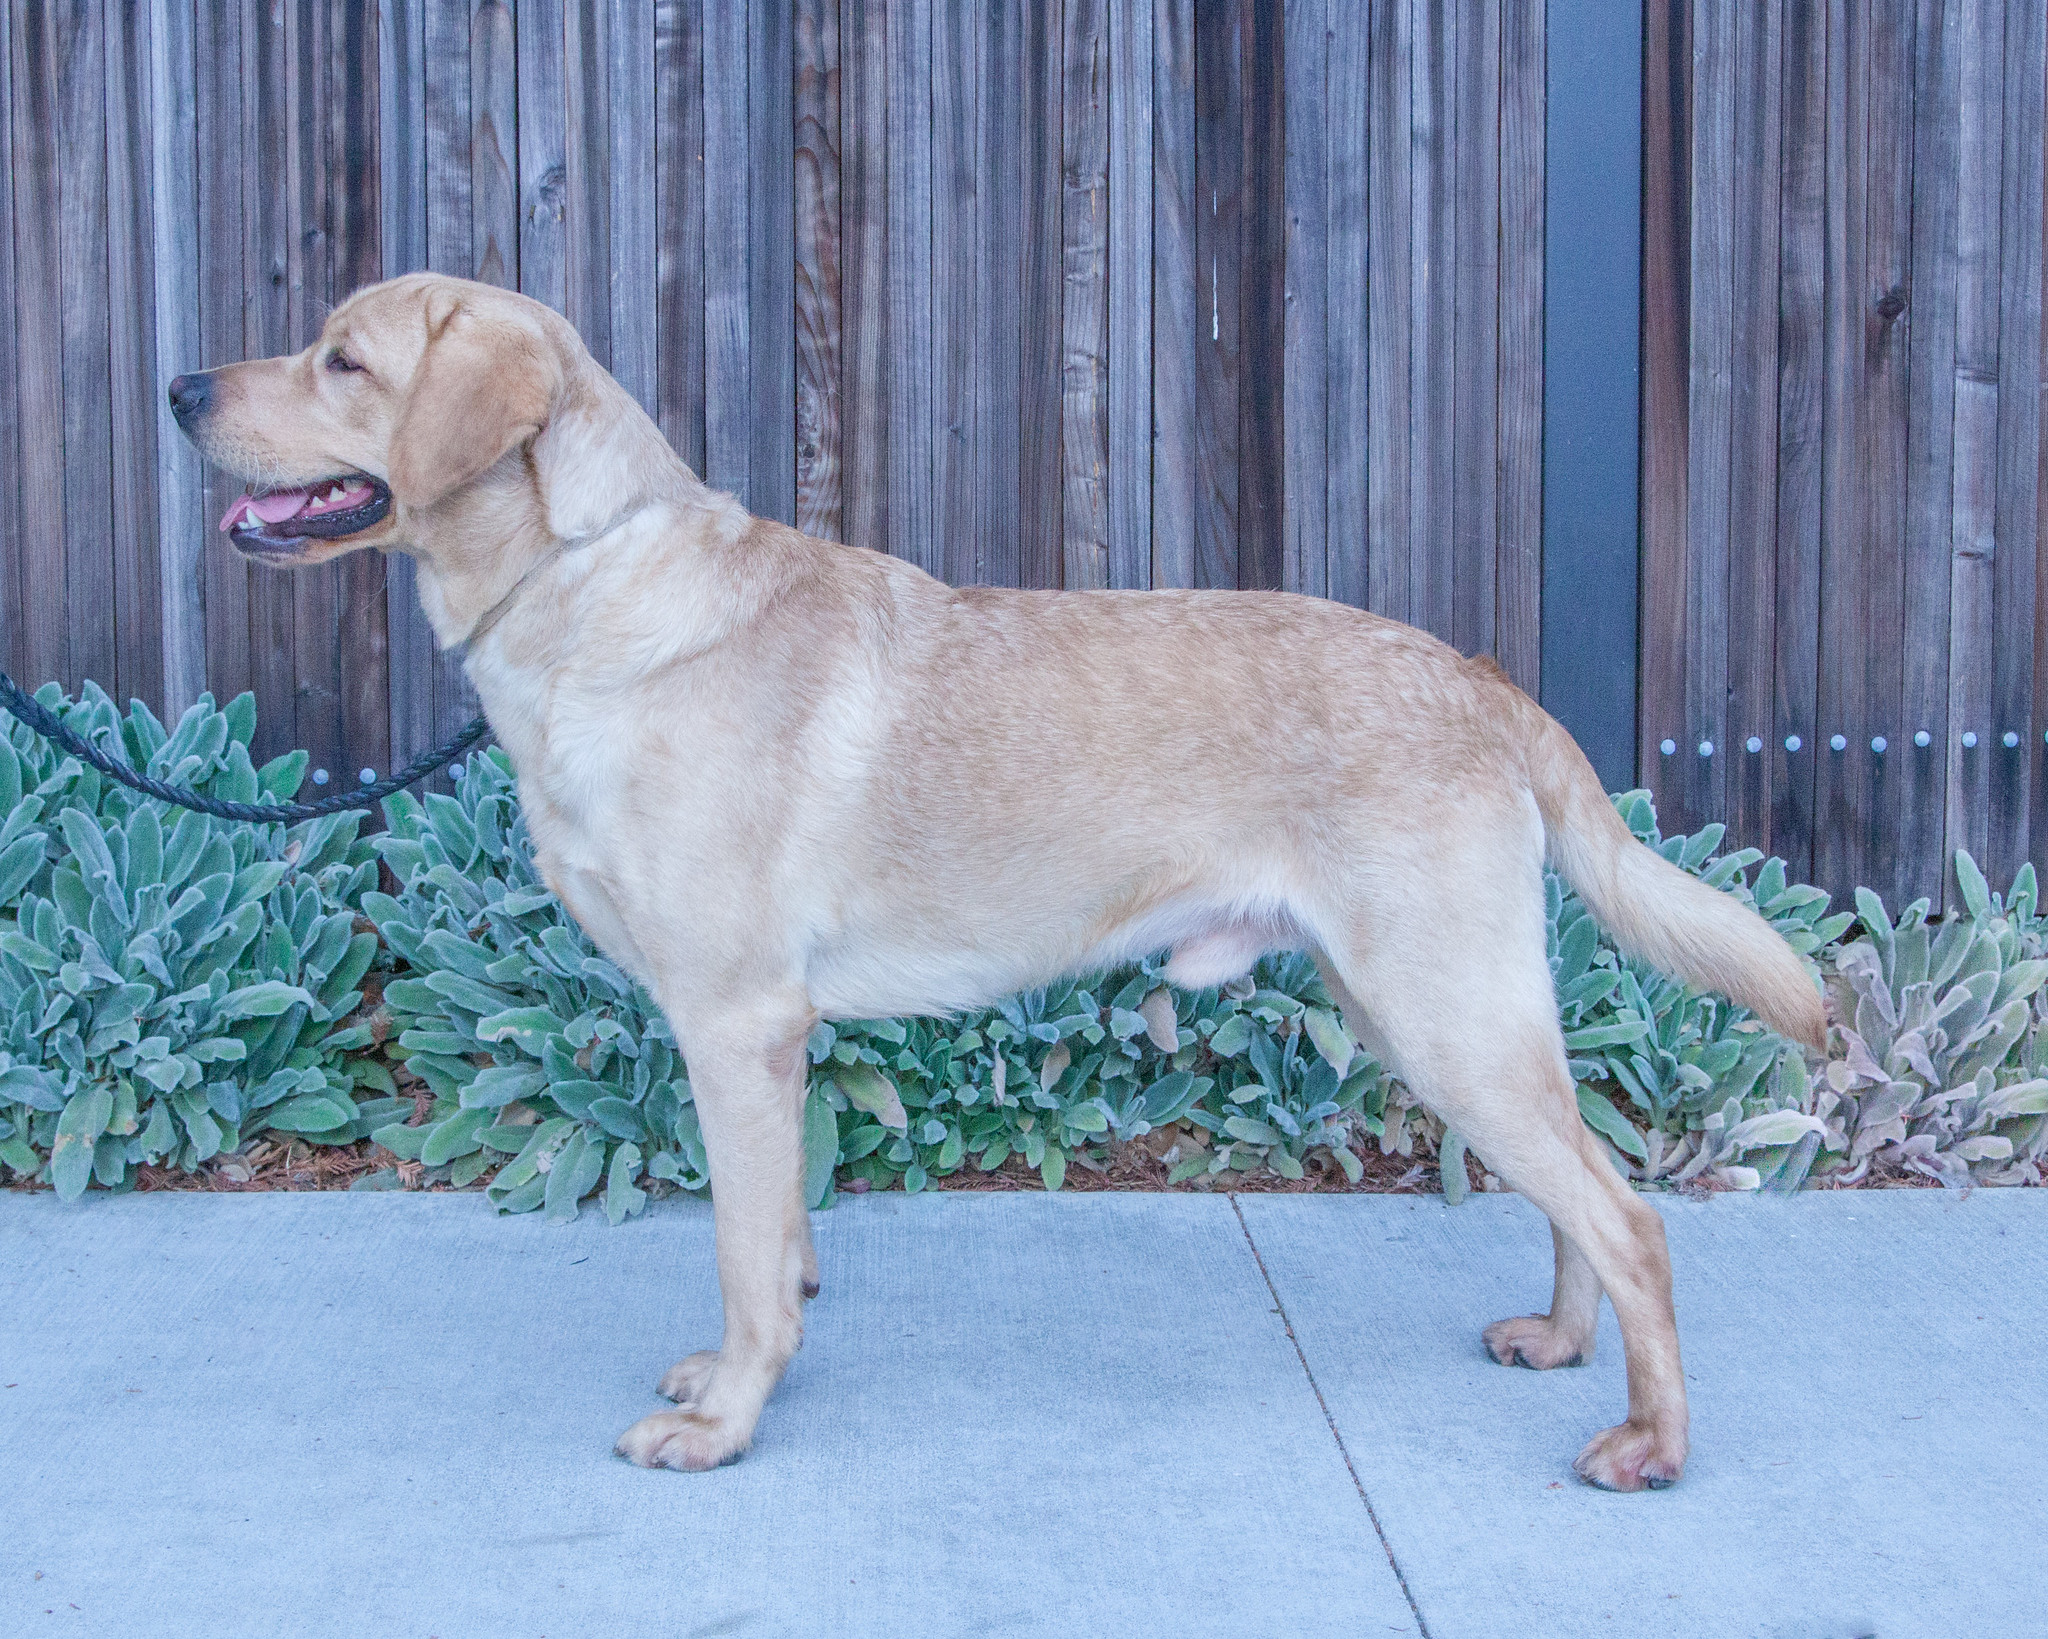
[(1842, 434), (1087, 293)]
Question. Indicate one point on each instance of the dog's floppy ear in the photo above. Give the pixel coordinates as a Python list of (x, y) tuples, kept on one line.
[(484, 386)]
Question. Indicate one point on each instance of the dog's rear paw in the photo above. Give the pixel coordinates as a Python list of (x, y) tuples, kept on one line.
[(1632, 1457), (686, 1440), (684, 1381), (1535, 1341)]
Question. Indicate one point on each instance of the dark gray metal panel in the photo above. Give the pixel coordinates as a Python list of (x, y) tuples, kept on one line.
[(1592, 283)]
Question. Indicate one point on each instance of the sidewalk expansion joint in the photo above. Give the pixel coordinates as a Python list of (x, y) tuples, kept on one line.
[(1351, 1468)]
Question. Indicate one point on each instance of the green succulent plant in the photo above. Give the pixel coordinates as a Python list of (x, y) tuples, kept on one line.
[(1945, 1070), (171, 984)]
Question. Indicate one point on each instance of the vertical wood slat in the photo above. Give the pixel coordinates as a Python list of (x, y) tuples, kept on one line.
[(1262, 256), (1474, 287), (931, 269), (1040, 509), (2010, 838), (267, 260), (1796, 745), (89, 564), (1703, 754), (1175, 295), (1887, 188), (632, 268), (131, 312), (356, 256), (494, 145), (14, 601), (1519, 418), (1219, 190), (817, 289), (1432, 147), (770, 180), (1389, 231), (1666, 329), (586, 173), (1347, 365), (1930, 320), (1000, 212), (1308, 271), (864, 206), (679, 225), (1751, 588), (543, 164), (1085, 209), (1974, 452), (315, 657), (728, 406), (1129, 316)]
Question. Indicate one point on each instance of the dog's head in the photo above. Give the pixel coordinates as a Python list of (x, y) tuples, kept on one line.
[(416, 389)]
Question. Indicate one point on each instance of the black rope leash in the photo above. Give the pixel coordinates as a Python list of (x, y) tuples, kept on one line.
[(30, 711)]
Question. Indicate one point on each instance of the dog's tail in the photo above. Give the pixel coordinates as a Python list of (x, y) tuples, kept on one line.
[(1656, 911)]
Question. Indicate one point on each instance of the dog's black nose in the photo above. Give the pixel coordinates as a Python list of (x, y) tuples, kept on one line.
[(190, 395)]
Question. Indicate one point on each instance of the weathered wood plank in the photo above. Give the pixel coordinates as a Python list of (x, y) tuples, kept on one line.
[(15, 606), (363, 652), (1751, 597), (131, 311), (679, 225), (1219, 191), (1432, 404), (864, 269), (728, 405), (1843, 778), (1176, 288), (543, 174), (771, 273), (1796, 744), (2010, 839), (267, 220), (1473, 503), (1346, 364), (89, 564), (1519, 423), (1888, 215), (1040, 506), (1085, 229), (1262, 318), (1667, 325), (1702, 789), (494, 145), (316, 670), (1930, 320), (217, 55), (586, 173), (1974, 502), (933, 267), (632, 269), (402, 235), (1129, 318), (1309, 324), (1389, 232), (1000, 215), (819, 498)]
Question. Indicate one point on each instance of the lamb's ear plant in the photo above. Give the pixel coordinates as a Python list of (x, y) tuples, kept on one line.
[(171, 984), (1946, 1065)]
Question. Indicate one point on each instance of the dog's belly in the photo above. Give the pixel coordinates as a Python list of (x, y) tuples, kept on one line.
[(873, 972)]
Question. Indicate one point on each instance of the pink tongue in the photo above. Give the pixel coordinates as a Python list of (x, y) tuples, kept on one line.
[(270, 509)]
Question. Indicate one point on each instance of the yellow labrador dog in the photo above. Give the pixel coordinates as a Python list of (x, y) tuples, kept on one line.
[(779, 779)]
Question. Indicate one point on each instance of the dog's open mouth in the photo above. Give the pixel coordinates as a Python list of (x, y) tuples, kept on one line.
[(276, 518)]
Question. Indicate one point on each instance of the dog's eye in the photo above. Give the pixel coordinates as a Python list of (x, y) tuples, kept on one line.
[(342, 364)]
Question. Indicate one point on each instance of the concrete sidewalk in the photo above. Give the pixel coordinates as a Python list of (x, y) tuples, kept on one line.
[(370, 1415)]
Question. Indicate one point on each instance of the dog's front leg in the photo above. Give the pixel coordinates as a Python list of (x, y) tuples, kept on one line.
[(749, 1090)]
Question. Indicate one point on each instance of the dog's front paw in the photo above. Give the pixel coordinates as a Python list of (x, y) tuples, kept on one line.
[(687, 1440), (1535, 1341), (684, 1381), (1631, 1457)]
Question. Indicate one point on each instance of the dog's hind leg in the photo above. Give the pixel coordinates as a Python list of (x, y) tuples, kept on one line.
[(1470, 1022), (749, 1091)]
